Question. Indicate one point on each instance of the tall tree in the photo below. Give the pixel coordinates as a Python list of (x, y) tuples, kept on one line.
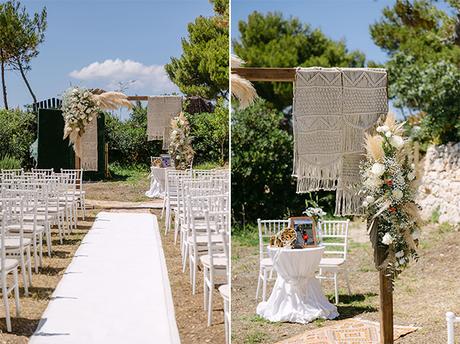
[(273, 41), (202, 69), (20, 36), (420, 39)]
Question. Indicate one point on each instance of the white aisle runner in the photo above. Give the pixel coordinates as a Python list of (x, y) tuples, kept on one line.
[(115, 290)]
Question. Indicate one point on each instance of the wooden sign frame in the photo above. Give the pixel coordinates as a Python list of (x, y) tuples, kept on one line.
[(292, 224)]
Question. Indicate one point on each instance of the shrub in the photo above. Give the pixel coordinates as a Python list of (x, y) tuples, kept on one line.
[(262, 185), (9, 163), (210, 134), (17, 132)]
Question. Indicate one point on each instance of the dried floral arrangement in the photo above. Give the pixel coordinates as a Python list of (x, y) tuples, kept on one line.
[(389, 189), (242, 89), (284, 238), (180, 146), (80, 106)]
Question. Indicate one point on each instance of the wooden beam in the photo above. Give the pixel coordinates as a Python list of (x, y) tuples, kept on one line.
[(135, 98), (266, 74)]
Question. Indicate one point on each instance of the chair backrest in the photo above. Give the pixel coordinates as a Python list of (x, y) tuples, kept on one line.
[(451, 320), (216, 222), (267, 228), (335, 238)]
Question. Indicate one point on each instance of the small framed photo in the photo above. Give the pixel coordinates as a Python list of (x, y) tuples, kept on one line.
[(304, 227)]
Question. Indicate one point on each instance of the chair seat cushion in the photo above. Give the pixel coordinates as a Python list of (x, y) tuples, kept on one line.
[(218, 260), (224, 291), (26, 227), (266, 262), (40, 217), (10, 263), (325, 262), (14, 242), (203, 239)]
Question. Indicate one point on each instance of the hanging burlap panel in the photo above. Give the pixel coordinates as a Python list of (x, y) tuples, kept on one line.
[(333, 109), (88, 146), (160, 111)]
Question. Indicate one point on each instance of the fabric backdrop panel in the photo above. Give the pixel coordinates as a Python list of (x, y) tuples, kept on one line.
[(160, 111), (333, 109), (89, 148), (317, 109)]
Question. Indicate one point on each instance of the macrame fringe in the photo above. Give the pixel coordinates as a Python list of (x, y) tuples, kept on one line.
[(348, 202), (315, 177)]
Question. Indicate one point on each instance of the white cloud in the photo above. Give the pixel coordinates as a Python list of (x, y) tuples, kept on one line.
[(141, 78)]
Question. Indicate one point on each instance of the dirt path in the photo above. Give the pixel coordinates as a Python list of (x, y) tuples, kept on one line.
[(423, 293)]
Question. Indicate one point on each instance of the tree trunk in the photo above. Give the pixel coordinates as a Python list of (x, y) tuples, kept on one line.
[(21, 70), (5, 100)]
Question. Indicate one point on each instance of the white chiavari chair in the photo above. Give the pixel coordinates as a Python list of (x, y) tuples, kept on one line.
[(171, 194), (215, 262), (267, 228), (77, 192), (224, 290), (8, 265), (335, 238), (17, 246)]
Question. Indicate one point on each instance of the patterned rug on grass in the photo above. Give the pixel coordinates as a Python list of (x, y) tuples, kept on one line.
[(349, 331)]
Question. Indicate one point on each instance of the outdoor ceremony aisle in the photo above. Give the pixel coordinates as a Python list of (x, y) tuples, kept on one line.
[(116, 290)]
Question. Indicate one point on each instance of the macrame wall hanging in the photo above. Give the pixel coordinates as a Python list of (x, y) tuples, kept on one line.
[(160, 111), (333, 109)]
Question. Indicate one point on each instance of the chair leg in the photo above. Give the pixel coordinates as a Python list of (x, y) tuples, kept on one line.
[(347, 279), (205, 288), (194, 274), (211, 289), (83, 206), (36, 262), (184, 258), (336, 289), (16, 292), (258, 283), (24, 274), (264, 286), (6, 303), (29, 265)]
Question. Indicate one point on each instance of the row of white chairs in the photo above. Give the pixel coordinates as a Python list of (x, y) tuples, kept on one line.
[(198, 201), (31, 204), (334, 235)]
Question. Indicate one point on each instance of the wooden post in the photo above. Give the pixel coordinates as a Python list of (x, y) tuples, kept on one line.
[(386, 309), (106, 160)]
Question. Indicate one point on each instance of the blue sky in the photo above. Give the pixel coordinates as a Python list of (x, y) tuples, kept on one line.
[(100, 43), (338, 19)]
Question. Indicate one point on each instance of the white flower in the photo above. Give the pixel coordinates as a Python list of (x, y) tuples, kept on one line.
[(402, 261), (370, 199), (397, 141), (411, 176), (365, 204), (412, 165), (382, 129), (397, 194), (416, 235), (378, 169), (399, 254), (387, 239), (388, 134)]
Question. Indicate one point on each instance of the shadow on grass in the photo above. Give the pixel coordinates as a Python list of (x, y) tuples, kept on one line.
[(39, 293), (20, 326), (355, 304), (50, 271), (60, 254)]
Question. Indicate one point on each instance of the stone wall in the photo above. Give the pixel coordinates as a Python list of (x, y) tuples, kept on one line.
[(440, 183)]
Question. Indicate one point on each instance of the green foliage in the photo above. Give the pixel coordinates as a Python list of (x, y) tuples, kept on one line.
[(132, 173), (262, 185), (17, 133), (128, 139), (20, 36), (202, 69), (273, 41), (423, 66), (9, 163), (210, 134), (435, 215)]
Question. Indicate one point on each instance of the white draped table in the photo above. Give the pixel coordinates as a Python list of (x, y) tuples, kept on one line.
[(297, 295), (157, 181)]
